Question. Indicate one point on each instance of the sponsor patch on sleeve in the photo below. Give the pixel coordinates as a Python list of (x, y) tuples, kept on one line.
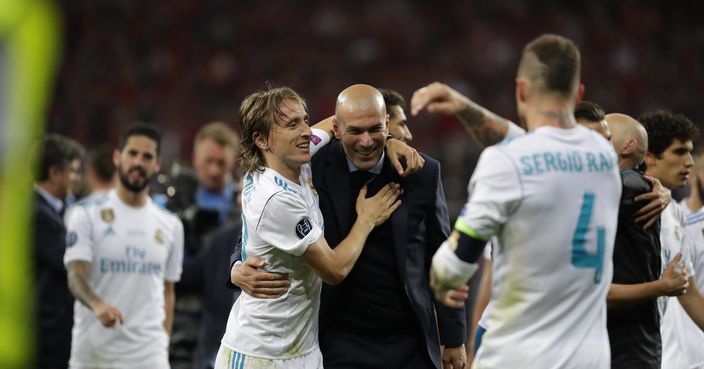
[(303, 227), (314, 139)]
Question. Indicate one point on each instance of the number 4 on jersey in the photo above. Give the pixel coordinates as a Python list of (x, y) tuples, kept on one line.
[(581, 258)]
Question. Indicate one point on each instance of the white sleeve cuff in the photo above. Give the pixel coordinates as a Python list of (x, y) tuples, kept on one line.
[(449, 270)]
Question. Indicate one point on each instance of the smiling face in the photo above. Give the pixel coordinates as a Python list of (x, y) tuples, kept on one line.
[(289, 138), (673, 166), (363, 135)]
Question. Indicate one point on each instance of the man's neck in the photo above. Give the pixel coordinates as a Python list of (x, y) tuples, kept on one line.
[(133, 199), (289, 172), (51, 189), (550, 112)]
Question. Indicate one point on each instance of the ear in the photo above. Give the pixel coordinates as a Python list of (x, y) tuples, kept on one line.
[(116, 157), (260, 141), (580, 94), (521, 90), (629, 147), (650, 159), (336, 128), (54, 172)]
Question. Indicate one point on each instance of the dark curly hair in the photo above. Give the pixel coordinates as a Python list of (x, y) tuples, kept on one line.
[(663, 127)]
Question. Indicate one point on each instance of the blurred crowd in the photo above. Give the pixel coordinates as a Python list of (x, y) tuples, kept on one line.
[(183, 63)]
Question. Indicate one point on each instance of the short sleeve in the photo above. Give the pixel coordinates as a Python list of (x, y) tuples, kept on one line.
[(514, 131), (174, 262), (495, 192), (79, 236), (286, 224), (689, 252), (318, 139)]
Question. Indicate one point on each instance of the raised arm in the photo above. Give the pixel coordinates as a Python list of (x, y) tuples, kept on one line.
[(657, 199), (486, 127), (78, 273), (333, 265)]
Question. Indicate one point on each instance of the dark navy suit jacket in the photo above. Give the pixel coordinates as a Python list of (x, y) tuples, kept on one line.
[(54, 304), (419, 226)]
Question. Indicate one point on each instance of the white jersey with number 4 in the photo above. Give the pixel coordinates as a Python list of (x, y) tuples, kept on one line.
[(280, 219), (132, 252), (551, 197)]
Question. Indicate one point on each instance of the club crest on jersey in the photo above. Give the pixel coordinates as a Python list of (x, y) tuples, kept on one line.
[(107, 215), (159, 237), (309, 181), (303, 227)]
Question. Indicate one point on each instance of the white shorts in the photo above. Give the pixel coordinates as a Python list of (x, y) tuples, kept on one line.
[(228, 359)]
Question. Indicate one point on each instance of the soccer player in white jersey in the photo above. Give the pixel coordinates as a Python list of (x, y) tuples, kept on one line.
[(551, 197), (688, 351), (283, 225), (669, 158), (123, 257)]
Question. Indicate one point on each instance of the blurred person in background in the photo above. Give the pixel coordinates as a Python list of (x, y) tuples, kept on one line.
[(60, 163), (124, 255), (205, 200), (395, 106), (99, 171), (695, 201)]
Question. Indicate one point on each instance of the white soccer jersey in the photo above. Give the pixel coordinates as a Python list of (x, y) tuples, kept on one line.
[(132, 252), (551, 197), (673, 240), (682, 340), (280, 220)]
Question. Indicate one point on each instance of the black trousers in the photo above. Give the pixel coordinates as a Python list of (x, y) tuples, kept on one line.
[(352, 350)]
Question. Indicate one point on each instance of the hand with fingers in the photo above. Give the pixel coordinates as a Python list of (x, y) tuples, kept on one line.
[(674, 279), (451, 297), (396, 149), (378, 208), (657, 199), (254, 281), (438, 98), (454, 357), (108, 315)]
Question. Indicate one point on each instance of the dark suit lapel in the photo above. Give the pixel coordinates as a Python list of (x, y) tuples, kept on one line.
[(337, 178), (41, 202)]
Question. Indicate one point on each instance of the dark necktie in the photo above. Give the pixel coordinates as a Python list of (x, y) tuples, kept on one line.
[(358, 179)]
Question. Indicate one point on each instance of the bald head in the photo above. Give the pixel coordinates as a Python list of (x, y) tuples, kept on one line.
[(359, 99), (629, 138), (360, 124)]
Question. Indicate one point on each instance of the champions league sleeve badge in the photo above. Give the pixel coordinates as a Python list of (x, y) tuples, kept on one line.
[(303, 227), (71, 238), (107, 215)]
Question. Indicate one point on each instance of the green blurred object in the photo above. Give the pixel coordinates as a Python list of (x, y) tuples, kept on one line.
[(29, 39)]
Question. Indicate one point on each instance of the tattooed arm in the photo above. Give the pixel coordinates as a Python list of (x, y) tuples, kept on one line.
[(486, 127), (78, 273)]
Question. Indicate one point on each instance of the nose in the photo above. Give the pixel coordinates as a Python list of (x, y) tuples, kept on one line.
[(307, 132), (409, 136), (365, 139), (690, 161)]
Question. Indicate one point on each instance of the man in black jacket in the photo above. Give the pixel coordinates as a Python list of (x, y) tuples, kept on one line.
[(383, 314), (60, 163)]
